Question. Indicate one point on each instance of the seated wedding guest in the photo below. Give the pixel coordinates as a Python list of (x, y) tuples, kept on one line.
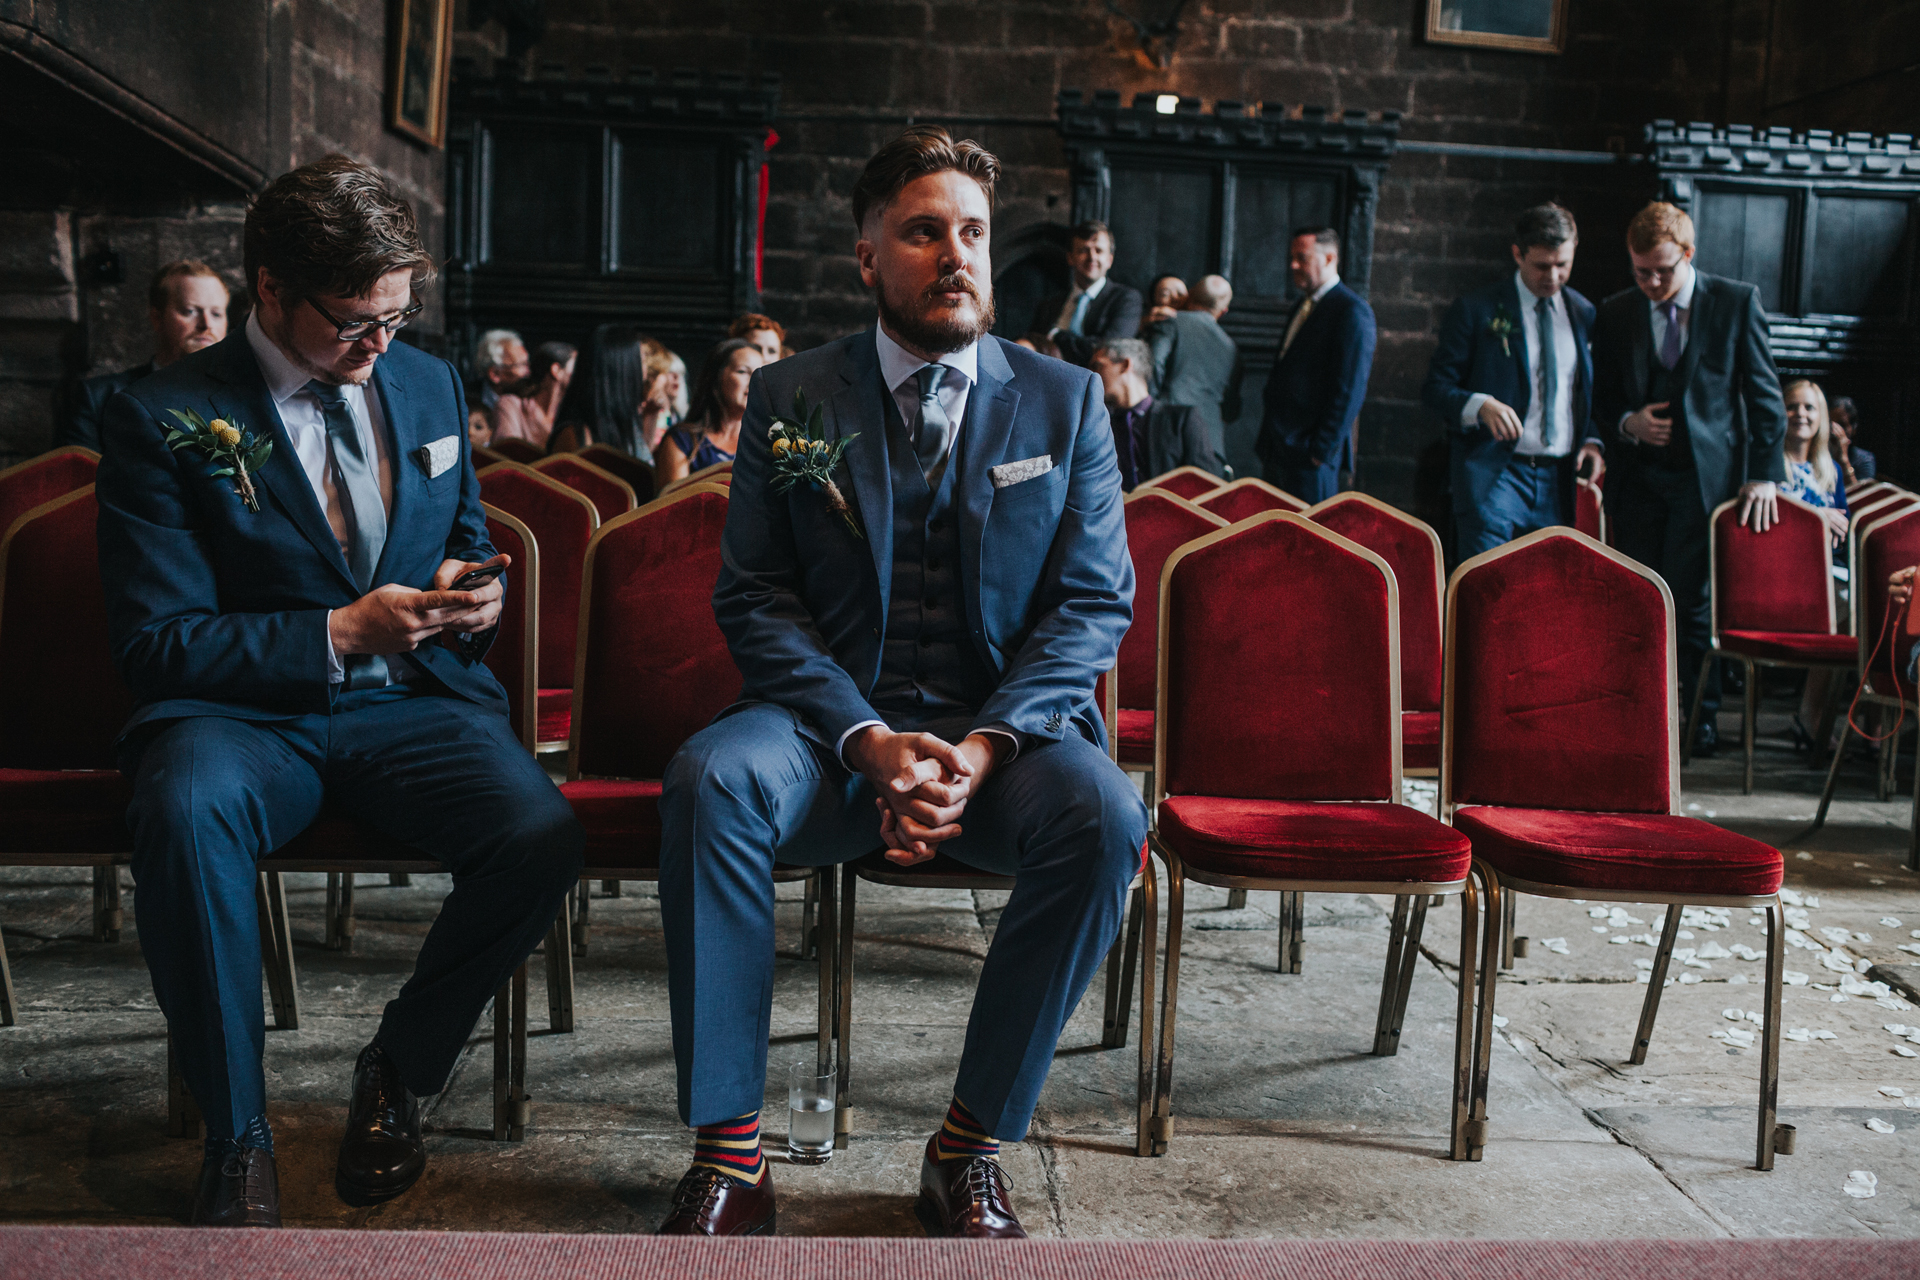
[(1151, 435), (764, 332), (949, 710), (479, 425), (1856, 464), (633, 392), (187, 310), (525, 411), (1319, 377), (1167, 295), (295, 642), (1813, 478), (1196, 363), (711, 433), (499, 362), (1097, 307)]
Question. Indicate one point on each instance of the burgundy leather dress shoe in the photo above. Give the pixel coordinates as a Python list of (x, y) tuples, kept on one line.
[(709, 1203), (237, 1189), (382, 1153), (967, 1199)]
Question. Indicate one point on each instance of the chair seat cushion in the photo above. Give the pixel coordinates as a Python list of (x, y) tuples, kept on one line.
[(1306, 840), (1136, 737), (1620, 852), (79, 811), (622, 822), (554, 718), (1420, 740), (336, 838), (1791, 646)]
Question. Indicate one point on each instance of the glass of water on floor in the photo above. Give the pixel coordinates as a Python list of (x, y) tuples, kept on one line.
[(809, 1114)]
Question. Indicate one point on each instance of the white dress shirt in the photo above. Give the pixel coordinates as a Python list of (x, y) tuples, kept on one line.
[(1683, 300), (1065, 318), (306, 426), (1547, 431)]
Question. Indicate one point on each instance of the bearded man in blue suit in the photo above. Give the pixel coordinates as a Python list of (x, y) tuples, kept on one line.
[(925, 682), (292, 637)]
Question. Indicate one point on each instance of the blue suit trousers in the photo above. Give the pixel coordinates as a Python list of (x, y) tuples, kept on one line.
[(1307, 483), (212, 796), (754, 788), (1523, 499)]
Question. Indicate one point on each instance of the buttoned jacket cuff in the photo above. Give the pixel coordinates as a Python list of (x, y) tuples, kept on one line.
[(840, 747)]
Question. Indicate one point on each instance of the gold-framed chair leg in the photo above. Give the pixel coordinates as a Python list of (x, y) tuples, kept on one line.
[(1913, 822), (1398, 984), (1489, 975), (1467, 1143), (1833, 775), (610, 888), (1160, 1123), (1509, 910), (1149, 934), (809, 899), (8, 1017), (1750, 708), (1293, 923), (829, 952), (183, 1113), (1770, 1038), (1693, 713), (843, 1013), (1650, 1007), (1390, 981), (1120, 965), (512, 1109), (581, 895), (1883, 770), (559, 966), (400, 879), (276, 950), (1236, 899), (107, 915)]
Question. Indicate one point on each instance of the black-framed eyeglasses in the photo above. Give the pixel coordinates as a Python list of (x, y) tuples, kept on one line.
[(354, 330)]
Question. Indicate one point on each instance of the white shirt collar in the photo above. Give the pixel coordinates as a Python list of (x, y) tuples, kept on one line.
[(1528, 298), (1092, 291), (897, 364), (285, 379), (1327, 288)]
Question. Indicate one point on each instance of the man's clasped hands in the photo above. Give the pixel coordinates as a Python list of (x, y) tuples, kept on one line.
[(923, 784)]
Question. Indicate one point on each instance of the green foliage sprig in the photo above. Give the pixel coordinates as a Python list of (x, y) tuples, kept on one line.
[(801, 452), (224, 441)]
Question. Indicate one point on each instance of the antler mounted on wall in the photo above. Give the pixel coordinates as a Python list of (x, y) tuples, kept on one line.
[(1157, 36)]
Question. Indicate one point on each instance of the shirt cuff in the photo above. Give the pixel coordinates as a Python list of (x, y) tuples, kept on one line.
[(1470, 414), (1013, 742), (336, 669), (840, 747)]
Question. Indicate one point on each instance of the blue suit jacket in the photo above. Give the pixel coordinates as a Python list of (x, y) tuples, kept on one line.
[(1047, 579), (1471, 360), (217, 610), (1316, 389)]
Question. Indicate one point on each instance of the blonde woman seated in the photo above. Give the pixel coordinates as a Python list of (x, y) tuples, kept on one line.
[(711, 433), (1813, 478)]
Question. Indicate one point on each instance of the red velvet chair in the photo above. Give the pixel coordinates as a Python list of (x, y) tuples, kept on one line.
[(514, 657), (1772, 605), (1412, 550), (1190, 483), (637, 474), (40, 480), (1249, 497), (1590, 511), (1561, 764), (1158, 523), (562, 521), (611, 496), (1889, 542), (1291, 781), (514, 449), (484, 457)]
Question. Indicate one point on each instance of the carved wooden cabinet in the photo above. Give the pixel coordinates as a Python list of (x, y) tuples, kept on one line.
[(1188, 192), (1826, 227), (578, 203)]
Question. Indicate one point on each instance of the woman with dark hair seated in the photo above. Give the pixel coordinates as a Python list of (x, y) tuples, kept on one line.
[(711, 432), (1854, 462), (1168, 295), (526, 411)]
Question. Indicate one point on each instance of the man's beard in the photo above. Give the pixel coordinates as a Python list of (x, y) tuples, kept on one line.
[(933, 326)]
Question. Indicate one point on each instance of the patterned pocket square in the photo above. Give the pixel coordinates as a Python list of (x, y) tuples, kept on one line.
[(436, 456), (1026, 469)]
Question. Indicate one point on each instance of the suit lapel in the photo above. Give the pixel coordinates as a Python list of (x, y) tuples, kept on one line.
[(282, 476), (858, 408), (982, 446), (402, 439), (1641, 356), (1522, 374), (1699, 315)]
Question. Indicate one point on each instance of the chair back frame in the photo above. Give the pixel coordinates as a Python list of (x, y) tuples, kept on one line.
[(1178, 475), (559, 462), (1865, 633), (1714, 554), (572, 495), (1857, 529), (1393, 513), (1452, 651), (529, 578), (1143, 494), (1287, 502), (1582, 486), (41, 460)]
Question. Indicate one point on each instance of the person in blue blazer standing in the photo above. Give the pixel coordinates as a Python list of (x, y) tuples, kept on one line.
[(1512, 381), (284, 521), (1319, 378), (920, 593)]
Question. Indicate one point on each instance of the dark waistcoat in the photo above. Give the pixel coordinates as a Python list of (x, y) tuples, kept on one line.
[(1664, 384), (928, 665)]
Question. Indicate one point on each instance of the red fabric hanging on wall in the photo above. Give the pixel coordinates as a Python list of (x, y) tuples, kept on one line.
[(760, 225)]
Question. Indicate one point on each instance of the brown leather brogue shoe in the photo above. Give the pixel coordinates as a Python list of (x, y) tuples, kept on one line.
[(967, 1199), (709, 1203), (382, 1153), (237, 1189)]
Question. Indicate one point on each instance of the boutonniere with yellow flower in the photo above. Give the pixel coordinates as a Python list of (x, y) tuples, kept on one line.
[(224, 441), (801, 453), (1501, 326)]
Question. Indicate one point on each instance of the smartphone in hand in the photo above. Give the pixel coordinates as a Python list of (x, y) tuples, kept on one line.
[(474, 579)]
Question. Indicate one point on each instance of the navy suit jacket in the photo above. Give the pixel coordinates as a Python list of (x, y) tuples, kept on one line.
[(1047, 580), (1316, 389), (84, 428), (1114, 313), (216, 610), (1471, 360)]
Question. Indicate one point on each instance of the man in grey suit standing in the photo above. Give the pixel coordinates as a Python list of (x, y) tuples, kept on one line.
[(1684, 379), (1195, 363)]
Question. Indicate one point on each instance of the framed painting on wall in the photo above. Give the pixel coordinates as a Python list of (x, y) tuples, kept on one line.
[(1527, 26), (419, 49)]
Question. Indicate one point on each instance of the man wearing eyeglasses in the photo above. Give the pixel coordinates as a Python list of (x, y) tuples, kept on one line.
[(1685, 386), (298, 642)]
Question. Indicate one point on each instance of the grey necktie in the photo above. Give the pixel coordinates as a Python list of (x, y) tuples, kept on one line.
[(930, 435), (1670, 343), (358, 485), (1549, 371)]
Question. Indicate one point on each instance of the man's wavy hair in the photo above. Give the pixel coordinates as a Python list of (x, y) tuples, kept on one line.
[(921, 150), (332, 229)]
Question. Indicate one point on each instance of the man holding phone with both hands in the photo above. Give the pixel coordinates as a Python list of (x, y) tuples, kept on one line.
[(309, 631)]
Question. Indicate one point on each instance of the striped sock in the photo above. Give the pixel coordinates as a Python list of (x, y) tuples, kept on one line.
[(962, 1137), (732, 1147)]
